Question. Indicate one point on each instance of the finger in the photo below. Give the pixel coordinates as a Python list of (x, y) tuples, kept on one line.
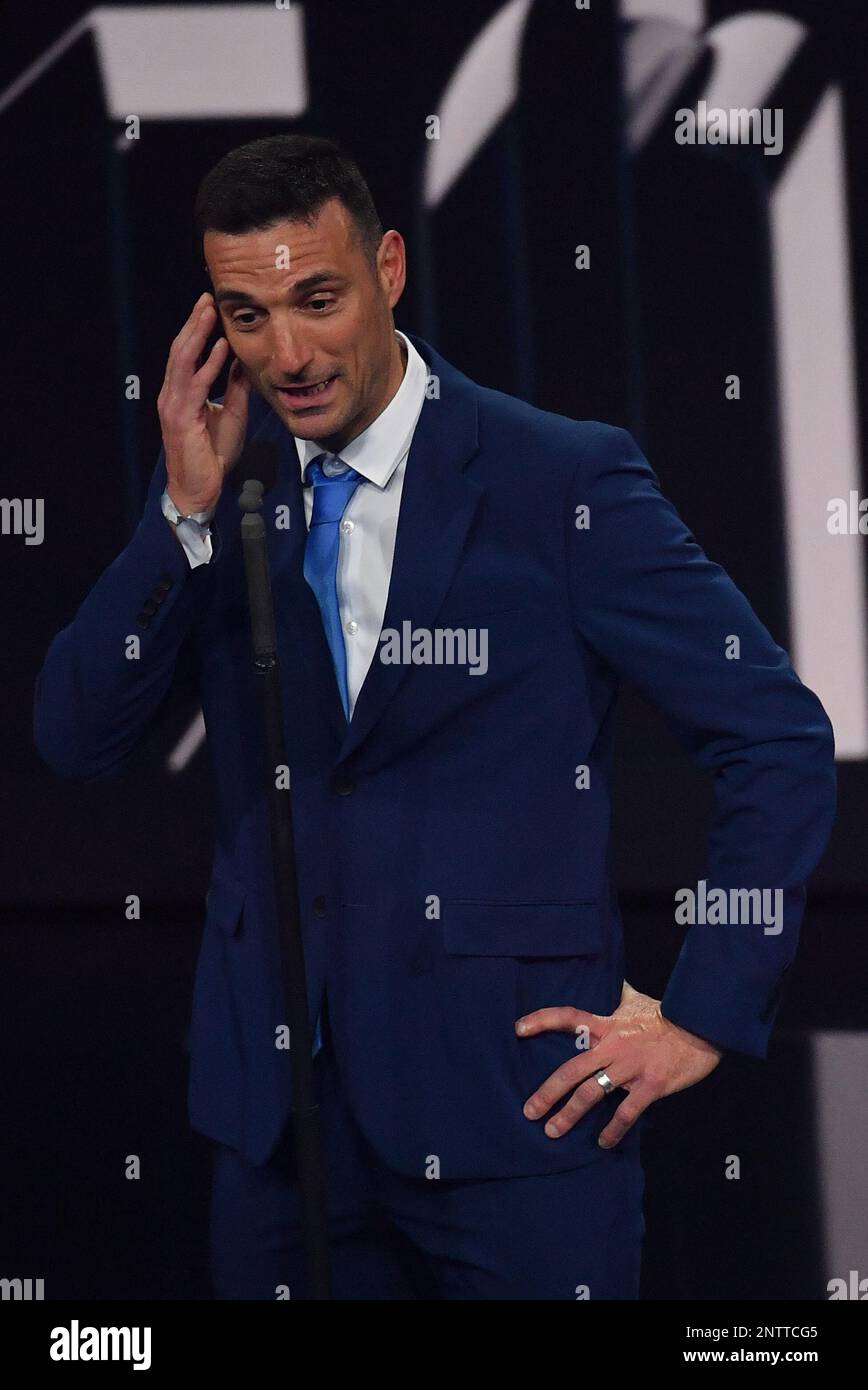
[(188, 347), (211, 368), (560, 1018), (586, 1096), (567, 1077), (205, 301), (626, 1115), (180, 412), (186, 329), (187, 355)]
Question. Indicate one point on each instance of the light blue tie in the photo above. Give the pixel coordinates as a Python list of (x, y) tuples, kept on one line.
[(334, 483)]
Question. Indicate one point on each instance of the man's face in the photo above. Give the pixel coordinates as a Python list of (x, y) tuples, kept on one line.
[(314, 312)]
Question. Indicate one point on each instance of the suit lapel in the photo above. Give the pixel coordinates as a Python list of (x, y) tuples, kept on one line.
[(438, 503), (437, 506)]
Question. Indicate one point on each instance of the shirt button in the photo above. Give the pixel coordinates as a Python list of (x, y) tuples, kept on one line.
[(347, 526), (352, 627), (319, 906)]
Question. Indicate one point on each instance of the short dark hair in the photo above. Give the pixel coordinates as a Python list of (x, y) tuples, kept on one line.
[(285, 178)]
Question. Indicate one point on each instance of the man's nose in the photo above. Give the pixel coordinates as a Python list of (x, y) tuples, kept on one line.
[(290, 355)]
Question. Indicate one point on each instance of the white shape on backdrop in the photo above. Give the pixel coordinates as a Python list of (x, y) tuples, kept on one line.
[(659, 58), (819, 421), (188, 744), (480, 92), (175, 62), (751, 52), (841, 1107), (690, 14)]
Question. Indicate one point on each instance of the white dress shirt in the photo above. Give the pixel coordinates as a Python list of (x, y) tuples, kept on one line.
[(370, 521)]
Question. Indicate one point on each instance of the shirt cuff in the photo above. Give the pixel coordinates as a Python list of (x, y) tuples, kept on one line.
[(194, 536)]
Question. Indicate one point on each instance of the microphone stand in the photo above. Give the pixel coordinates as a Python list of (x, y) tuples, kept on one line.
[(305, 1110)]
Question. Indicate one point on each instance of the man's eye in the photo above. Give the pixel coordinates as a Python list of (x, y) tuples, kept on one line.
[(243, 320), (326, 303)]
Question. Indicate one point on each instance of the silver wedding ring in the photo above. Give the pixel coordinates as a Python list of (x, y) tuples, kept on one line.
[(604, 1080)]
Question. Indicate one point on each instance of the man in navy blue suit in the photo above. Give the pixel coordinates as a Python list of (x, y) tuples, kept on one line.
[(460, 581)]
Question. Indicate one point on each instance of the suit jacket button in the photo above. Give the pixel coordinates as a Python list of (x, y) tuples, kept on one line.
[(319, 905), (342, 784)]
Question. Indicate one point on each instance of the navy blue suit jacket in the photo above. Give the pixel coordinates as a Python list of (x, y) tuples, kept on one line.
[(452, 875)]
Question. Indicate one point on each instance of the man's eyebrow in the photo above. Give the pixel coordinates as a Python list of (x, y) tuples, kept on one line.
[(321, 277), (230, 296)]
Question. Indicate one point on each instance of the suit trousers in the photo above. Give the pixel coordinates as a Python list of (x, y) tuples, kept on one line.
[(571, 1235)]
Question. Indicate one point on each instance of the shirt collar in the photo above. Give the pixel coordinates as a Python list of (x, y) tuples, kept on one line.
[(377, 451)]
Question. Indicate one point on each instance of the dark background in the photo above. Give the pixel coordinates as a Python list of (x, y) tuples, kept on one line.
[(101, 269)]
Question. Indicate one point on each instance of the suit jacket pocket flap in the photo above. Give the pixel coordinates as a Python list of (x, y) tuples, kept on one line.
[(224, 901), (521, 929)]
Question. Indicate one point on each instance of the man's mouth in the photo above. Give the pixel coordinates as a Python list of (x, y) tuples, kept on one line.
[(313, 392)]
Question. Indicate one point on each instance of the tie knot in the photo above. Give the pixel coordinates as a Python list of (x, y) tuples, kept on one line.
[(334, 483), (323, 468)]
